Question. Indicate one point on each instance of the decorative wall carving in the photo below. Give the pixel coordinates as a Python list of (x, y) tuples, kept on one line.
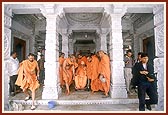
[(159, 38), (159, 62), (7, 21), (157, 8), (7, 40), (6, 45), (159, 18), (7, 10)]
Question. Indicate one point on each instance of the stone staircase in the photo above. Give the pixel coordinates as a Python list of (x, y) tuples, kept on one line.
[(83, 99)]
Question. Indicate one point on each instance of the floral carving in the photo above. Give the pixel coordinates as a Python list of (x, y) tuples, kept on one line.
[(6, 43), (160, 40)]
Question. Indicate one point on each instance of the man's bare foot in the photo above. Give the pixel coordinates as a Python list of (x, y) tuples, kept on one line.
[(106, 94), (68, 93)]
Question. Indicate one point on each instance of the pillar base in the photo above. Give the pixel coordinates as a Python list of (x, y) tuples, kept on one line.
[(50, 93), (59, 91), (6, 87), (118, 91)]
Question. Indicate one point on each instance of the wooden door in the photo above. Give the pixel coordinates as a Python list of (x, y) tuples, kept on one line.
[(20, 48), (149, 48)]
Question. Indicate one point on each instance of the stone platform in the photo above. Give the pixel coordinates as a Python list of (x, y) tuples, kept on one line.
[(79, 97), (78, 101)]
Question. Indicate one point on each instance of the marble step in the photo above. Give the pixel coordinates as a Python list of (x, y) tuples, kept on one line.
[(79, 102), (110, 105)]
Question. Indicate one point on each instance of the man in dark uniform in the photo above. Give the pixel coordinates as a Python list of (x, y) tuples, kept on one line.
[(134, 79), (146, 79)]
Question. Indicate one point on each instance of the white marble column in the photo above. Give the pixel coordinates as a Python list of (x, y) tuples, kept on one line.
[(103, 42), (50, 90), (98, 44), (32, 44), (159, 63), (6, 54), (57, 63), (98, 41), (71, 45), (65, 43), (118, 87)]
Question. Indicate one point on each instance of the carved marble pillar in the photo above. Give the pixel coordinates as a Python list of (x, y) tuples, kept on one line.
[(50, 90), (65, 44), (159, 62), (32, 44), (57, 63), (70, 45), (103, 39), (6, 53), (118, 87), (98, 42)]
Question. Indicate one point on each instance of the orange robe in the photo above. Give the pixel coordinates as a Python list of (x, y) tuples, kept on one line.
[(27, 75), (104, 69), (61, 60), (82, 59), (92, 73), (80, 78), (67, 71)]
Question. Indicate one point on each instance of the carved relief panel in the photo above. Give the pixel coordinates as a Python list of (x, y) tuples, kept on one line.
[(7, 37)]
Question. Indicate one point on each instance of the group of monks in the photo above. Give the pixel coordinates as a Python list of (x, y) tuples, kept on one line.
[(92, 70)]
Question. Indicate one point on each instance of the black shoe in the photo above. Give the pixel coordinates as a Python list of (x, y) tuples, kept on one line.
[(12, 94), (87, 89), (148, 107), (105, 96)]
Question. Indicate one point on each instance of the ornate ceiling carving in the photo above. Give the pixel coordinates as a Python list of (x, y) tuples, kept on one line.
[(83, 18)]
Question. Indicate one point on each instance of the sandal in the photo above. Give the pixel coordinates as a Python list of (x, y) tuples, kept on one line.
[(27, 98), (33, 107), (105, 96)]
